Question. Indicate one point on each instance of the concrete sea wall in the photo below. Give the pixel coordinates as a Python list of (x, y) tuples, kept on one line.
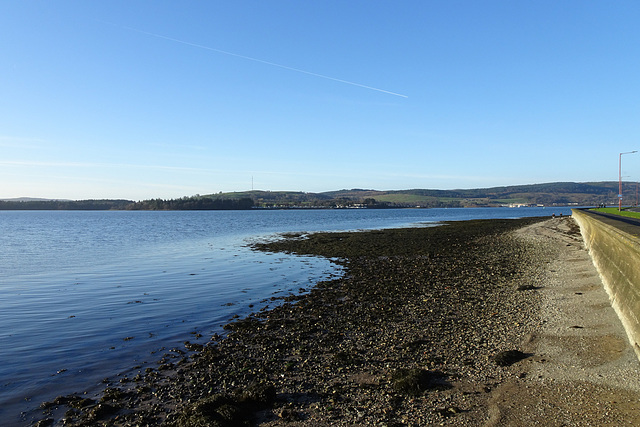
[(616, 255)]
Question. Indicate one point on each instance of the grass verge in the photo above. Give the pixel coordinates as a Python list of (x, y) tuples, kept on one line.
[(614, 211)]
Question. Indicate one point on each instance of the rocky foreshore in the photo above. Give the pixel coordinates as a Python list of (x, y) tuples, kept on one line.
[(423, 325)]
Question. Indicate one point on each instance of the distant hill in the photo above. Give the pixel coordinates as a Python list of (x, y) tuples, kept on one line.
[(30, 199), (549, 194)]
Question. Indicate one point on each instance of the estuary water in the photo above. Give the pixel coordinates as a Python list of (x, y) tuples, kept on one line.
[(87, 295)]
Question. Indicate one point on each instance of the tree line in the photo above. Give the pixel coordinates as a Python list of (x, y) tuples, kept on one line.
[(192, 204), (63, 205), (185, 203)]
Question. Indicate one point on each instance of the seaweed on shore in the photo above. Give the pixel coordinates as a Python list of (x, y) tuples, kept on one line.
[(415, 307)]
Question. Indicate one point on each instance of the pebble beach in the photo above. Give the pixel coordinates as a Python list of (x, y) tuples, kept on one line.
[(426, 327)]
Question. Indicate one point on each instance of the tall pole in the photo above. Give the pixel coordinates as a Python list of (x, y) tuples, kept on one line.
[(620, 183), (620, 178)]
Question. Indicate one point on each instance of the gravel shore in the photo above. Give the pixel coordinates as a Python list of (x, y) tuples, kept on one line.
[(427, 327)]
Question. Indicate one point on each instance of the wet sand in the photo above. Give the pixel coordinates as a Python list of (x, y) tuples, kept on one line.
[(491, 322)]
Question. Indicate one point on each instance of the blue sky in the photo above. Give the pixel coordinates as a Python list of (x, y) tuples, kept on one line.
[(146, 99)]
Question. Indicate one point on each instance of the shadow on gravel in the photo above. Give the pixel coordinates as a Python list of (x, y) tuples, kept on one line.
[(509, 357), (414, 382)]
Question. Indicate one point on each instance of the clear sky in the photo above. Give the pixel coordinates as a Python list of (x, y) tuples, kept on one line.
[(144, 99)]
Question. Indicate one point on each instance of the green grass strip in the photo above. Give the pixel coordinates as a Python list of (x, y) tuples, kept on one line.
[(615, 211)]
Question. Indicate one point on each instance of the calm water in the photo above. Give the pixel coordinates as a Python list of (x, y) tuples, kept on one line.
[(89, 295)]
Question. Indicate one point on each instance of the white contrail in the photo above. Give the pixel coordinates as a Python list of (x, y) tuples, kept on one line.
[(255, 59)]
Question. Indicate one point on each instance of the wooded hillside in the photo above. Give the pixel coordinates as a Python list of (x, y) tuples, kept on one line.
[(549, 194)]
